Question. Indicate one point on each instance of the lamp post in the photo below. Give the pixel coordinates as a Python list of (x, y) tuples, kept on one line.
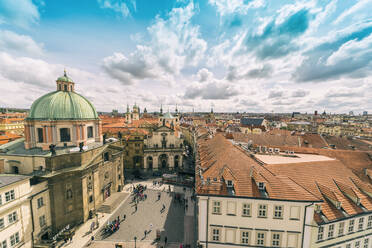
[(135, 240)]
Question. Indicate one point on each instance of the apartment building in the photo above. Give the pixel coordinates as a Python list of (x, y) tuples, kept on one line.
[(275, 200), (15, 211)]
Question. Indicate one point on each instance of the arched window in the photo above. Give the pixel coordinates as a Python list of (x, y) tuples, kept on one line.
[(65, 87), (69, 194)]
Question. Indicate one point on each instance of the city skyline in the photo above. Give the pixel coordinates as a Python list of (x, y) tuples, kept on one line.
[(246, 56)]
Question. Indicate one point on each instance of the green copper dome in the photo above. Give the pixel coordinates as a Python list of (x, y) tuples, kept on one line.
[(62, 105)]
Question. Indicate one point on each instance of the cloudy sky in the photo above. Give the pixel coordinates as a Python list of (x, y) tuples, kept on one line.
[(234, 55)]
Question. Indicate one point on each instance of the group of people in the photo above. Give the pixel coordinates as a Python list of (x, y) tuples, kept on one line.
[(138, 193), (113, 226)]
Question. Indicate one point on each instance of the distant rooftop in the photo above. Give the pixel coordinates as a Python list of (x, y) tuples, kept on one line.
[(17, 147), (300, 158), (7, 179)]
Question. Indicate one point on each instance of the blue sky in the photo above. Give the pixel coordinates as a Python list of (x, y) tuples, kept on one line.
[(235, 55)]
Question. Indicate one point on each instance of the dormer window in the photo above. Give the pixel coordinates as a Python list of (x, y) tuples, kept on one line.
[(338, 205), (261, 185), (229, 183)]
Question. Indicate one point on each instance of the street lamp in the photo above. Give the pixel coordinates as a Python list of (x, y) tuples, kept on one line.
[(135, 240)]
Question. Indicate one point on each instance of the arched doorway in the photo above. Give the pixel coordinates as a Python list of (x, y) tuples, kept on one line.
[(149, 162), (163, 161), (176, 161)]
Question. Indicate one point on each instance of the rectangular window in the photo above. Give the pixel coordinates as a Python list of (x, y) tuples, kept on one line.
[(10, 195), (216, 234), (320, 233), (216, 207), (276, 240), (90, 132), (260, 238), (40, 136), (1, 199), (106, 156), (245, 237), (4, 244), (360, 224), (262, 211), (351, 226), (369, 223), (246, 209), (2, 225), (12, 217), (331, 229), (40, 202), (357, 244), (278, 212), (42, 221), (366, 241), (65, 134), (14, 239), (348, 245), (341, 227)]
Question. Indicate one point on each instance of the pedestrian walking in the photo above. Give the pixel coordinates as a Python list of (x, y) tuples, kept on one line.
[(165, 240), (150, 227), (124, 217), (145, 232), (135, 207)]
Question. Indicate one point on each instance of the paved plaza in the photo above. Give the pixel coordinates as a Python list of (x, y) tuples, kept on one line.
[(170, 221)]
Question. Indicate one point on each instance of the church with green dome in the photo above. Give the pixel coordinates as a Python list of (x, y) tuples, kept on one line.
[(62, 118)]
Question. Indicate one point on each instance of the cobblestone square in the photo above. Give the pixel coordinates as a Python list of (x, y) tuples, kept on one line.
[(170, 222)]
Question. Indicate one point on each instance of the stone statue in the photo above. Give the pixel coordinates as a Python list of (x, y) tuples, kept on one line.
[(81, 145), (52, 149)]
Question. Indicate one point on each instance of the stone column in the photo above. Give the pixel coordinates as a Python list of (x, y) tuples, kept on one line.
[(155, 161), (171, 161), (50, 134), (44, 135), (83, 132), (145, 165)]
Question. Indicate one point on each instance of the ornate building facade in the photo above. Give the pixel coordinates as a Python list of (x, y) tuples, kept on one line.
[(163, 149)]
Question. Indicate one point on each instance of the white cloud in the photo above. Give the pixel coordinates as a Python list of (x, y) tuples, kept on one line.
[(355, 50), (358, 6), (21, 13), (22, 44), (174, 44), (300, 93), (204, 75), (118, 6), (225, 7)]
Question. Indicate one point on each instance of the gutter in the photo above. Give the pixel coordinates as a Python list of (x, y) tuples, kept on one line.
[(32, 221), (303, 226), (206, 240)]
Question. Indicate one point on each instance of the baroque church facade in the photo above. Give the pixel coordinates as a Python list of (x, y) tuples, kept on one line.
[(63, 145)]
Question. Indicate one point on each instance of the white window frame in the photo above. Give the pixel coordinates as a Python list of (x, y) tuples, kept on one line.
[(369, 222), (40, 202), (366, 242), (12, 217), (361, 224), (331, 231), (260, 238), (278, 210), (341, 228), (244, 239), (216, 207), (10, 195), (248, 208), (351, 226), (276, 239), (320, 233), (14, 239), (262, 211), (216, 234)]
